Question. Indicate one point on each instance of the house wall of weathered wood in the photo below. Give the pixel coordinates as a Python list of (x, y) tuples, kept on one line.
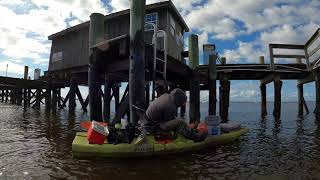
[(74, 44)]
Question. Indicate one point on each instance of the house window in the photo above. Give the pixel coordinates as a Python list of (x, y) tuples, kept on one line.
[(172, 26), (181, 40), (151, 18)]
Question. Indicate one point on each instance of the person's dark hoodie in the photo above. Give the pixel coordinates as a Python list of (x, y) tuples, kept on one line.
[(165, 107)]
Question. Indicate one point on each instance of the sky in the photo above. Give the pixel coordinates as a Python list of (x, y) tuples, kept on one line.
[(241, 30)]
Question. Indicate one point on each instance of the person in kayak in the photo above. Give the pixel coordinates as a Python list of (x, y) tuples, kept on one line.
[(161, 116)]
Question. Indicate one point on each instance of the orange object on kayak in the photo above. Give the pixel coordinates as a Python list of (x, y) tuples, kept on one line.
[(87, 124), (202, 127)]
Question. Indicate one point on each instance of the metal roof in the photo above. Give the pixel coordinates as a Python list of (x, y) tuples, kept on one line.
[(167, 4)]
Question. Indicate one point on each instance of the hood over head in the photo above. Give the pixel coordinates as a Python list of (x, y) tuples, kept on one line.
[(178, 97)]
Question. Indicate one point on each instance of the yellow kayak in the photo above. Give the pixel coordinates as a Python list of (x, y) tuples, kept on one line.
[(81, 148)]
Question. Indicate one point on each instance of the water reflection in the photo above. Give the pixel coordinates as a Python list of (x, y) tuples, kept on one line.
[(37, 144)]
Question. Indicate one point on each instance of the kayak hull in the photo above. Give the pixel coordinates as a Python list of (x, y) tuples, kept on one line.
[(82, 149)]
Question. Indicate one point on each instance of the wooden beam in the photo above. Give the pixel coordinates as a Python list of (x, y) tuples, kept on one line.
[(78, 93), (307, 79), (65, 100), (288, 56), (286, 46), (268, 79)]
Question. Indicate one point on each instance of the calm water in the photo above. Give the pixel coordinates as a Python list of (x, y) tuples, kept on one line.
[(37, 145)]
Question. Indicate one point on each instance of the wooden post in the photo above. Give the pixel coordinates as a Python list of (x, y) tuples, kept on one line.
[(261, 60), (137, 62), (54, 99), (7, 94), (223, 60), (96, 35), (263, 90), (3, 95), (48, 97), (107, 98), (19, 96), (194, 110), (193, 51), (72, 97), (277, 98), (300, 99), (116, 95), (29, 97), (212, 83), (26, 68), (38, 99), (271, 58), (317, 82), (59, 97), (224, 98), (25, 98)]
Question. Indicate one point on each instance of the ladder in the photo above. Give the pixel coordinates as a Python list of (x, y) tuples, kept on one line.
[(163, 62)]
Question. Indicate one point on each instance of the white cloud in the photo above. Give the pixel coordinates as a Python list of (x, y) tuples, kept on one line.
[(24, 33), (12, 67)]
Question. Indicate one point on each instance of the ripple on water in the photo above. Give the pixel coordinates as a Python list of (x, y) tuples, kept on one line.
[(37, 145)]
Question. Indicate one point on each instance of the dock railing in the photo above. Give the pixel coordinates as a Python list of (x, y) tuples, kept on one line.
[(310, 49)]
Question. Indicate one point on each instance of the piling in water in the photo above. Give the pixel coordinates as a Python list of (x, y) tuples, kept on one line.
[(194, 110), (96, 35), (137, 59)]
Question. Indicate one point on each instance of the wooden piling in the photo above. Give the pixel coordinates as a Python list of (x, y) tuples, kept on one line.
[(106, 99), (194, 110), (212, 84), (3, 91), (12, 96), (38, 99), (72, 97), (261, 60), (96, 35), (137, 61), (54, 102), (223, 60), (7, 95), (48, 96), (300, 99), (263, 90), (193, 51), (224, 93), (19, 96), (25, 98), (29, 97), (59, 97), (277, 98)]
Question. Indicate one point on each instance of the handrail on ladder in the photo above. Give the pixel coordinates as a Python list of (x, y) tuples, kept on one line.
[(156, 33)]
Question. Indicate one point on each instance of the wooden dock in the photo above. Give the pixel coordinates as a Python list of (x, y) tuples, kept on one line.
[(128, 59)]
